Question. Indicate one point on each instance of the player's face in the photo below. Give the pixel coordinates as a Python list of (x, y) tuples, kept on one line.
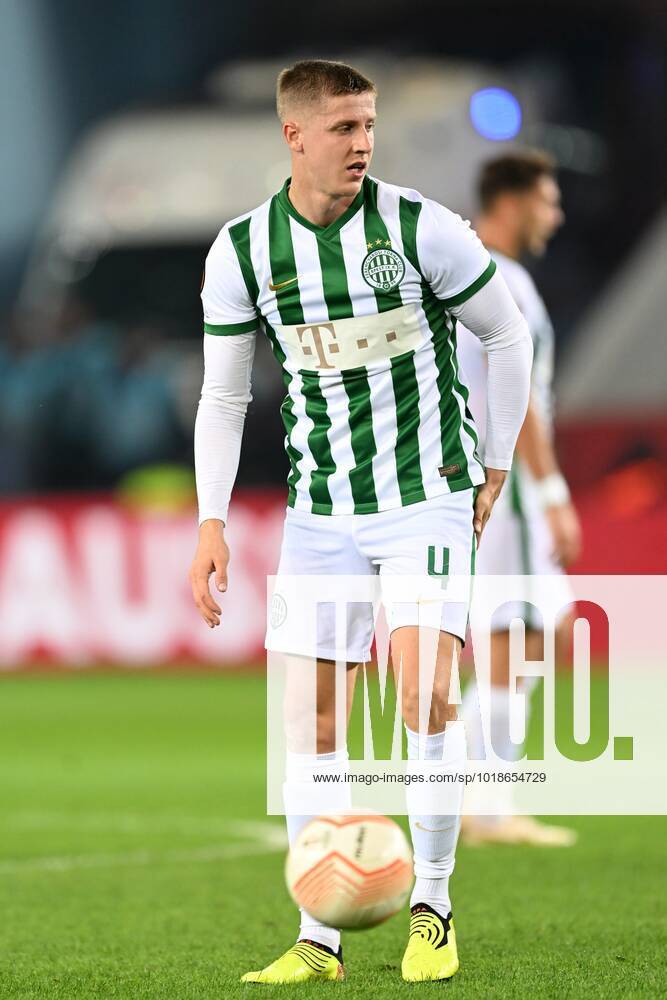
[(336, 140), (542, 214)]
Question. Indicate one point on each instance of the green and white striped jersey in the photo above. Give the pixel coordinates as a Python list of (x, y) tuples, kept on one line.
[(358, 316)]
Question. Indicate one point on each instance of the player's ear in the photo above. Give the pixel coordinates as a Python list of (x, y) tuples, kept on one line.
[(293, 136)]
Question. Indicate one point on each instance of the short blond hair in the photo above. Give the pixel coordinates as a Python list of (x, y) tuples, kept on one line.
[(308, 81)]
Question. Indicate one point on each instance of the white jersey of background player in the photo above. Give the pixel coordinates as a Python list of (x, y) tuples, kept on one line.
[(534, 529), (472, 356)]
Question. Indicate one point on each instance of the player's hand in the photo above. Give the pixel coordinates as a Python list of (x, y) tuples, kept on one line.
[(212, 556), (565, 533), (486, 497)]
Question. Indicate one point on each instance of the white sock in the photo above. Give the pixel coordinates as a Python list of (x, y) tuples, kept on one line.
[(469, 713), (435, 812), (304, 798), (500, 742)]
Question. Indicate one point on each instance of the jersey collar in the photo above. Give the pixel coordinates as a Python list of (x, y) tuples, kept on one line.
[(335, 227)]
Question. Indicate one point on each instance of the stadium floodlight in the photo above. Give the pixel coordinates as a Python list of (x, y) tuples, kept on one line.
[(495, 113)]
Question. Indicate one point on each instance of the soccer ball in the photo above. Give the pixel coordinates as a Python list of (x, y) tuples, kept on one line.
[(350, 871)]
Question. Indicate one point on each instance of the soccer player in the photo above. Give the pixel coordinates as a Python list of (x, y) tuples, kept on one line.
[(358, 285), (534, 529)]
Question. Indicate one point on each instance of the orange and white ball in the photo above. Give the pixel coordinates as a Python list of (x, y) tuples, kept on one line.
[(350, 871)]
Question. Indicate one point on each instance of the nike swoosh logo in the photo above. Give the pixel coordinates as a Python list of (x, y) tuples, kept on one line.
[(282, 284), (427, 829)]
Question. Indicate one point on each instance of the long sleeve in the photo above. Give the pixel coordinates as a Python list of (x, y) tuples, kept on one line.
[(463, 277), (230, 330), (220, 418), (492, 315)]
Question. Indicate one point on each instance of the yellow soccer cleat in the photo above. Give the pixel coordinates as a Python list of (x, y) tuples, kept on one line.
[(306, 960), (431, 951)]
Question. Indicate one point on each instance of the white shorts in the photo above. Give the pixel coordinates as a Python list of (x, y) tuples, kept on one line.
[(517, 542), (432, 535)]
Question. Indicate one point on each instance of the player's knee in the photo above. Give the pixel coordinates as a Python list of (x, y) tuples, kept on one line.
[(299, 727), (326, 732), (440, 712)]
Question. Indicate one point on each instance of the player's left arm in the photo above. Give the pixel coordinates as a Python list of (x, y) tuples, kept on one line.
[(493, 317), (462, 275), (535, 448)]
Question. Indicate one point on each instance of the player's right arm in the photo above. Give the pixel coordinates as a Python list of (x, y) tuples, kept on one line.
[(230, 329), (462, 275)]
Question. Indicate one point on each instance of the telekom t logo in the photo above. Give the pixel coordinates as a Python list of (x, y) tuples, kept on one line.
[(321, 337), (318, 343)]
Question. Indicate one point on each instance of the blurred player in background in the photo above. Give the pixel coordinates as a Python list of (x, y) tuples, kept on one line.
[(534, 528), (357, 283)]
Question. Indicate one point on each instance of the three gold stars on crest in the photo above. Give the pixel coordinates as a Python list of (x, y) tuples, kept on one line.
[(378, 243)]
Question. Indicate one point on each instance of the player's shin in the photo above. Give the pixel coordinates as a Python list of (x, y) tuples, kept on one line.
[(434, 798), (315, 785)]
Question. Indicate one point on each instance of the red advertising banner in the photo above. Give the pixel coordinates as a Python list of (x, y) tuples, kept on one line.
[(87, 581)]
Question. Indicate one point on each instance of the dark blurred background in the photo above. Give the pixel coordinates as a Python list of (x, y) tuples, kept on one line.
[(93, 384)]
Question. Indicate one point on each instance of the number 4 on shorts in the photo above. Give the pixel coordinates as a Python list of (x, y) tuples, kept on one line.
[(438, 562)]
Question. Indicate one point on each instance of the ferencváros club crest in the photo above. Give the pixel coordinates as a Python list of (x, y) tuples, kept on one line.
[(383, 269)]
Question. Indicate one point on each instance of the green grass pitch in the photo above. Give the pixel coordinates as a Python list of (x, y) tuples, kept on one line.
[(135, 862)]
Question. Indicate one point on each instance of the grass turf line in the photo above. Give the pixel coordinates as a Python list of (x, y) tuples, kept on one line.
[(167, 765)]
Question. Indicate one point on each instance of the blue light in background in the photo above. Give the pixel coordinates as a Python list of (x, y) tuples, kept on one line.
[(495, 113)]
